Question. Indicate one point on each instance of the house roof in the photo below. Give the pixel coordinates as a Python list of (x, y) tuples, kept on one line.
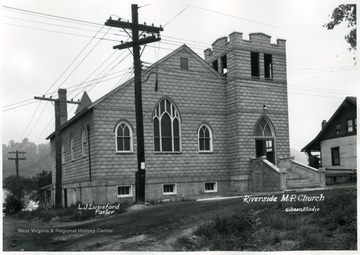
[(315, 143), (87, 106)]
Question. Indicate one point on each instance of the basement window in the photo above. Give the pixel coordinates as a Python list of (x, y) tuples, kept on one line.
[(169, 189), (124, 191), (255, 70), (184, 63), (268, 66), (223, 64), (210, 187), (215, 65)]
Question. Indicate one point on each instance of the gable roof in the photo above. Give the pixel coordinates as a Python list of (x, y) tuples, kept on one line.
[(86, 106), (315, 143)]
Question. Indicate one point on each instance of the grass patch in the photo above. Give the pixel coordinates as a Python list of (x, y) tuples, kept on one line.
[(279, 219), (270, 227)]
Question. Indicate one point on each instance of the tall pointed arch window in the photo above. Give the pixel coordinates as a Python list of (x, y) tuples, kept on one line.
[(166, 120), (123, 136), (84, 141), (205, 138), (265, 139)]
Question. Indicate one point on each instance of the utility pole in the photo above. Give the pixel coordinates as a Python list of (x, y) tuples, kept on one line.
[(135, 27), (58, 122), (17, 158)]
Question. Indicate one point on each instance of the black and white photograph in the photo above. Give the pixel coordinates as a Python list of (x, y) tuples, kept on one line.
[(179, 126)]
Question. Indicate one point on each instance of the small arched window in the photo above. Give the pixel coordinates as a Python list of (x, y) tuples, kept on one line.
[(166, 120), (205, 138), (123, 135)]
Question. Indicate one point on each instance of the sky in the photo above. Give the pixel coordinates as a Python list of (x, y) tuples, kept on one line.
[(48, 45)]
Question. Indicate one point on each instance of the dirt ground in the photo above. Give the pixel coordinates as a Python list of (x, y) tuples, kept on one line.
[(141, 228)]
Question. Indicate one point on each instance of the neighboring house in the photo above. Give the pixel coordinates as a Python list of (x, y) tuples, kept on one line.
[(336, 143), (203, 126)]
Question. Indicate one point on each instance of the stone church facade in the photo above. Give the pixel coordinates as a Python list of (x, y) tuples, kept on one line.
[(204, 124)]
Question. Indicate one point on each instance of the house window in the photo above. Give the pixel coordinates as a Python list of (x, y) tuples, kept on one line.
[(169, 189), (166, 127), (335, 156), (184, 63), (355, 125), (223, 64), (63, 153), (123, 134), (72, 148), (210, 187), (124, 191), (84, 141), (350, 127), (338, 129), (255, 70), (215, 65), (268, 66), (205, 139)]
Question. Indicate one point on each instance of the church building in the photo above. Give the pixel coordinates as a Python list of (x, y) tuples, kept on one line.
[(205, 124)]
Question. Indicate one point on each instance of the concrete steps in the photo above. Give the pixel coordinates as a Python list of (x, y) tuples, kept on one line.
[(300, 183)]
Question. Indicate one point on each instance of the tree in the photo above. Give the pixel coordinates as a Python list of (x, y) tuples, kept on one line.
[(27, 185), (41, 179), (345, 13)]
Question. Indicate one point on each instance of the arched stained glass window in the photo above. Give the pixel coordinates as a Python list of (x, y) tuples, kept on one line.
[(167, 125), (123, 134), (205, 138)]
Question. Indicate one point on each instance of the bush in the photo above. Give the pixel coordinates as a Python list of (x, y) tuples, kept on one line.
[(312, 239), (13, 204), (280, 220)]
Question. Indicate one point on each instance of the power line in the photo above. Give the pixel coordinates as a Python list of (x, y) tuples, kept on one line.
[(15, 107), (92, 49), (39, 161), (235, 17), (57, 25), (177, 15), (48, 30), (50, 15)]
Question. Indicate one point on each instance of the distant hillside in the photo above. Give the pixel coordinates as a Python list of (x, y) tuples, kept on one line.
[(37, 158), (299, 156)]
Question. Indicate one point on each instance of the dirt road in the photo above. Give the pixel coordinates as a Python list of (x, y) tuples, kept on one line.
[(141, 228)]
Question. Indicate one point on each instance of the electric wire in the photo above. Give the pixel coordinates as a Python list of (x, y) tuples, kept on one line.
[(235, 17), (50, 15), (57, 25)]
